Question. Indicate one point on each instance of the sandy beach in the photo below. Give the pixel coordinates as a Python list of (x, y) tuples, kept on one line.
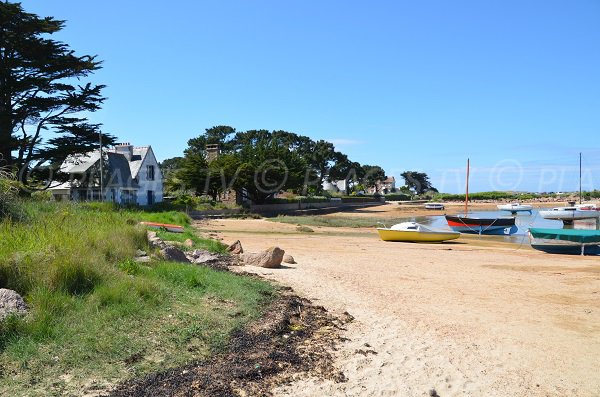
[(466, 319)]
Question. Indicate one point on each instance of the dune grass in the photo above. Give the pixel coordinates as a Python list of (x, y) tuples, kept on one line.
[(96, 316)]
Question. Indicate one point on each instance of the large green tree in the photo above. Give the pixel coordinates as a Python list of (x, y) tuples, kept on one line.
[(42, 91), (373, 175), (417, 181)]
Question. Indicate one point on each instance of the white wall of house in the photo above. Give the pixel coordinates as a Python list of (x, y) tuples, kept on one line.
[(147, 183)]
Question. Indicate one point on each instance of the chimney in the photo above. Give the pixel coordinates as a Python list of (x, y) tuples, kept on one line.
[(212, 151), (126, 149)]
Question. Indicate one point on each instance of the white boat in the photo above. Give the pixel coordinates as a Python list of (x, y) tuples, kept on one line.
[(415, 232), (515, 207), (434, 206), (569, 214)]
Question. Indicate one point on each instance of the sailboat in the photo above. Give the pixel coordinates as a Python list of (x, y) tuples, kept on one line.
[(574, 212), (466, 224)]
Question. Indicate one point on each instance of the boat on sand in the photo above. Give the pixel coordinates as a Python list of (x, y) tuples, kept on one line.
[(565, 241), (416, 233), (169, 227), (434, 206)]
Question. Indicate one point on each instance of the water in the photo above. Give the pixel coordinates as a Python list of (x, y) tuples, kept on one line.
[(523, 220)]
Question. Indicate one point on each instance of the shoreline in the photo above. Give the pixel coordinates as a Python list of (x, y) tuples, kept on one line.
[(463, 319)]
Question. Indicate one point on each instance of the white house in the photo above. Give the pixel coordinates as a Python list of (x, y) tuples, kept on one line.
[(130, 176)]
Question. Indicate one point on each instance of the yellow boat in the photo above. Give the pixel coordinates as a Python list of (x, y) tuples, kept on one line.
[(415, 233)]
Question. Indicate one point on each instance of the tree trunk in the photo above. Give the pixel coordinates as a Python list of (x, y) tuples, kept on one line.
[(5, 136)]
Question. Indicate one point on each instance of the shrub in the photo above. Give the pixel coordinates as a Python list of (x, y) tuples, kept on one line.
[(75, 278), (397, 197)]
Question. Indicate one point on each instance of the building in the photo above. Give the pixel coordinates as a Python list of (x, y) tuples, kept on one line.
[(388, 185), (130, 176)]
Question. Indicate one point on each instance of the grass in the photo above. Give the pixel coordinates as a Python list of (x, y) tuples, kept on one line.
[(96, 316), (337, 221)]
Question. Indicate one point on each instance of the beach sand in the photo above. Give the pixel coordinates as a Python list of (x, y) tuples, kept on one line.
[(466, 319)]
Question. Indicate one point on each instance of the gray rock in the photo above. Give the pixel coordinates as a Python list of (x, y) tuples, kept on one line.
[(155, 241), (11, 303), (270, 258), (174, 254), (140, 253), (201, 256), (288, 259), (143, 259)]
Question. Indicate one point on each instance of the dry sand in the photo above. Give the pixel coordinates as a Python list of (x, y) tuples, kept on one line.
[(464, 319)]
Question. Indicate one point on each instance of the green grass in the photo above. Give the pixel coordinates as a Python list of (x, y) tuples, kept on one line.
[(337, 221), (95, 314)]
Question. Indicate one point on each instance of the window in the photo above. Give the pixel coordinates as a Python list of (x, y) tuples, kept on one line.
[(150, 172)]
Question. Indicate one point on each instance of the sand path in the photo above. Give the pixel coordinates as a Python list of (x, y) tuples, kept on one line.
[(463, 319)]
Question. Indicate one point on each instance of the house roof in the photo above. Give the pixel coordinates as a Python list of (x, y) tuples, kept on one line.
[(121, 171), (389, 180)]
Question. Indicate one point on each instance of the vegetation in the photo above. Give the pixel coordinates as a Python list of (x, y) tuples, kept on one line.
[(495, 195), (95, 314), (261, 163), (337, 221), (41, 91), (417, 182)]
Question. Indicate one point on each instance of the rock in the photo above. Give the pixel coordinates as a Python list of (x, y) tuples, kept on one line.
[(236, 248), (140, 253), (201, 256), (143, 259), (174, 254), (270, 258), (11, 303), (155, 241), (288, 259), (188, 243)]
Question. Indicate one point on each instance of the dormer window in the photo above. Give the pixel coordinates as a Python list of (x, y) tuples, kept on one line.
[(150, 172)]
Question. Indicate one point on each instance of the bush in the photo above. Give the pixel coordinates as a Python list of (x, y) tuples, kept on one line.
[(397, 197), (10, 207)]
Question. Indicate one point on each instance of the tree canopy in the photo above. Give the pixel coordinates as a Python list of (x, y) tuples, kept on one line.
[(260, 163), (417, 181), (42, 91)]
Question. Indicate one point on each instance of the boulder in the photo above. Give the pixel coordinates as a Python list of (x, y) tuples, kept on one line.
[(288, 259), (188, 243), (201, 256), (269, 258), (174, 254), (236, 248), (11, 303), (155, 241)]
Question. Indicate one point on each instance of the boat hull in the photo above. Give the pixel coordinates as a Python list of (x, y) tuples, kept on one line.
[(515, 208), (566, 249), (488, 226), (416, 236), (567, 215)]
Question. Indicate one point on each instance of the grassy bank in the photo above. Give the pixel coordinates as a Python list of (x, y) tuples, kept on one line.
[(96, 316)]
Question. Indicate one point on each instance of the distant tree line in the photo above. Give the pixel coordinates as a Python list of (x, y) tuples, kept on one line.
[(260, 163)]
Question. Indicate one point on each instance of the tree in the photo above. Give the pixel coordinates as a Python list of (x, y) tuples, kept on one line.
[(417, 181), (40, 92), (350, 171), (373, 175)]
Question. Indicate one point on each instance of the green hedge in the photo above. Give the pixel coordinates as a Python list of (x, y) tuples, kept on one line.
[(397, 197), (358, 199)]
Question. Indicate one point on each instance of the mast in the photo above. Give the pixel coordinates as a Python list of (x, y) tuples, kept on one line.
[(580, 178), (467, 191)]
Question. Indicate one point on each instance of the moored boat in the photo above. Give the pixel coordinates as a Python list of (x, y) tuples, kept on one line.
[(416, 233), (515, 207), (496, 226), (570, 214), (467, 224), (434, 206), (566, 241)]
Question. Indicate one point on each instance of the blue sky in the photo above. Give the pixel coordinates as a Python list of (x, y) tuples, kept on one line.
[(419, 85)]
